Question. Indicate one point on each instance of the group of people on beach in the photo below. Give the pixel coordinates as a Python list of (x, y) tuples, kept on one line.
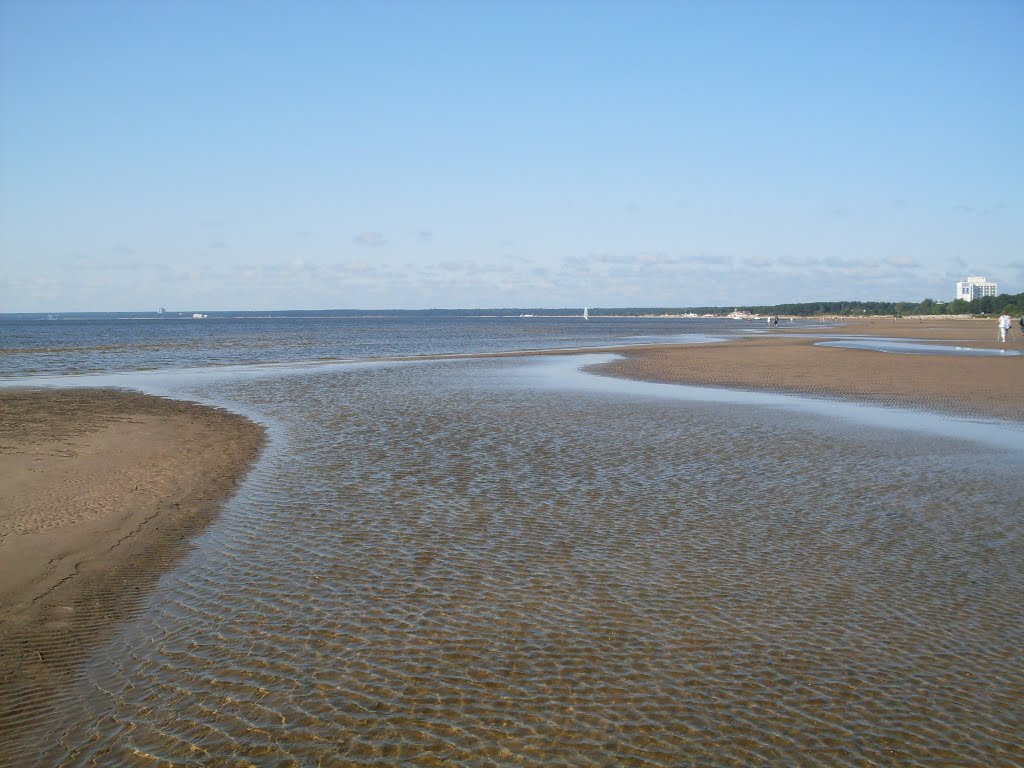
[(1005, 323)]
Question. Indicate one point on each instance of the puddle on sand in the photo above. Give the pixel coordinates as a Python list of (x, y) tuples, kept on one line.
[(916, 348)]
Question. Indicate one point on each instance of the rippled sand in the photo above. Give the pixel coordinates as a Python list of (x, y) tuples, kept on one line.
[(431, 567), (100, 491)]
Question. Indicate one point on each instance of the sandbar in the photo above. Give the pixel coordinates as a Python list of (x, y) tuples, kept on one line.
[(790, 362), (100, 491)]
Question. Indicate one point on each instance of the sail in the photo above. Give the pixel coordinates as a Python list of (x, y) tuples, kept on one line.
[(586, 314)]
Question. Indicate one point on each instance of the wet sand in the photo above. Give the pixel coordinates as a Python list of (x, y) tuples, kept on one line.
[(791, 363), (100, 491)]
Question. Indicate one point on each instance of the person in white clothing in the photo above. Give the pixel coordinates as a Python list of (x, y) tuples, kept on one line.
[(1004, 325)]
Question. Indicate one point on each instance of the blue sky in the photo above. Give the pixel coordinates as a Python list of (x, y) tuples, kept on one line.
[(273, 155)]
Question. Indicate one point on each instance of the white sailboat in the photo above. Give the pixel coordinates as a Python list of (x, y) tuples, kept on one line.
[(586, 314)]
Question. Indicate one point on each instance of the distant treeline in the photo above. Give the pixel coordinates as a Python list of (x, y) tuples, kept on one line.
[(1013, 303), (987, 305), (1010, 302)]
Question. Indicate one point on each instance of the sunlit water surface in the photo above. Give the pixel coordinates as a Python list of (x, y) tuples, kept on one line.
[(482, 563)]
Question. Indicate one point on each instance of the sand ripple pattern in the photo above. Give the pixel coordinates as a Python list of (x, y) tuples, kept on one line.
[(430, 570)]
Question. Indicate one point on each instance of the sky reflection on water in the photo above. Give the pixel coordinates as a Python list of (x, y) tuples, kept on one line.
[(916, 348)]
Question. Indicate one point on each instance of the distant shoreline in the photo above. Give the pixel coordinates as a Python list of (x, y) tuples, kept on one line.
[(596, 313)]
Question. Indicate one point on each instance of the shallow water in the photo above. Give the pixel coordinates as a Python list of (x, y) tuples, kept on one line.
[(487, 562), (917, 348)]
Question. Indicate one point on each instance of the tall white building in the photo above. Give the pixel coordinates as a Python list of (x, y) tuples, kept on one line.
[(975, 287)]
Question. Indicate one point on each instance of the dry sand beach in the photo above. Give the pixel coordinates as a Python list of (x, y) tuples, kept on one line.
[(99, 490)]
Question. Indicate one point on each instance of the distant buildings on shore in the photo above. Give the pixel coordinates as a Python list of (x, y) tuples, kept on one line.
[(975, 287)]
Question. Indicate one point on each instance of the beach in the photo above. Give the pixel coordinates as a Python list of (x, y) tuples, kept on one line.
[(99, 492), (791, 362), (97, 482), (489, 570)]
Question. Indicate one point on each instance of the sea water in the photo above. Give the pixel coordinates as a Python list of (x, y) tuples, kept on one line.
[(37, 347), (510, 562)]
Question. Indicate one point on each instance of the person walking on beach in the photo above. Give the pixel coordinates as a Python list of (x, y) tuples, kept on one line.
[(1004, 325), (1022, 325)]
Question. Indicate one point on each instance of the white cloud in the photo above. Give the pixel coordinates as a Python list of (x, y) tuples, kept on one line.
[(902, 261), (370, 239)]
